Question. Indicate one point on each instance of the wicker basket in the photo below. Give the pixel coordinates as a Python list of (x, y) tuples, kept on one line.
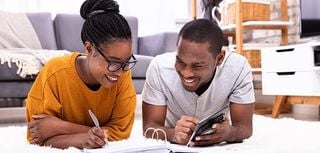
[(252, 11), (254, 57)]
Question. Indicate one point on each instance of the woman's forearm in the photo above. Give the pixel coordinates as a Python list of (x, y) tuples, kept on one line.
[(65, 141), (71, 128)]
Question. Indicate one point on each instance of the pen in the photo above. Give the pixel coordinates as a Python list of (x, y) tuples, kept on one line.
[(96, 122), (94, 119), (188, 144)]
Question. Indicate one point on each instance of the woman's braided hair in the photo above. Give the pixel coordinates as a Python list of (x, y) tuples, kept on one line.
[(103, 23)]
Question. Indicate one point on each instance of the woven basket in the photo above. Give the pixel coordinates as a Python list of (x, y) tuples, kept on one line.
[(254, 57), (252, 11)]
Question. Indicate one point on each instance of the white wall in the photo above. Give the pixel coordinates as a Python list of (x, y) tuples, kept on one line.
[(53, 6), (154, 15)]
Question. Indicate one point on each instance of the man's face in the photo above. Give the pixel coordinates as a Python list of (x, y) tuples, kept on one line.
[(194, 64)]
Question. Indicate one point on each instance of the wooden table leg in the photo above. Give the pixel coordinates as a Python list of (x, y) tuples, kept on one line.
[(279, 100)]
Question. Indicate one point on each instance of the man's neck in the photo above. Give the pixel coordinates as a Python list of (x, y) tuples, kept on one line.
[(205, 86)]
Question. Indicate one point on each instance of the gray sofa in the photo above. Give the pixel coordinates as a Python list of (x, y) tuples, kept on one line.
[(63, 32)]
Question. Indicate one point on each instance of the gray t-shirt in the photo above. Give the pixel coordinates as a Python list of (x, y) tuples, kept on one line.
[(232, 83)]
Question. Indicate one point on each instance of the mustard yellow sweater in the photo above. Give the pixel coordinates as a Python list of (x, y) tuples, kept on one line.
[(59, 91)]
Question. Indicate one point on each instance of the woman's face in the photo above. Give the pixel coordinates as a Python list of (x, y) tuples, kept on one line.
[(103, 58)]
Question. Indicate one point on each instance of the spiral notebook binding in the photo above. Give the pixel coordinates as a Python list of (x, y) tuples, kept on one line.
[(156, 132)]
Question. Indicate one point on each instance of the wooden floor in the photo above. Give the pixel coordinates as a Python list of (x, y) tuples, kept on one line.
[(265, 109), (299, 112), (262, 109)]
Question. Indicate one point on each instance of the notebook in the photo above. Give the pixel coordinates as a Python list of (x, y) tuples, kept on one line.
[(143, 145), (132, 146)]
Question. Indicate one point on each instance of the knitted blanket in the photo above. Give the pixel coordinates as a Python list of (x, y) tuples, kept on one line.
[(28, 61), (17, 32), (20, 45)]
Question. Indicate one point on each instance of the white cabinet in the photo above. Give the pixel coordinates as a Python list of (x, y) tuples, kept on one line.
[(287, 58), (290, 70)]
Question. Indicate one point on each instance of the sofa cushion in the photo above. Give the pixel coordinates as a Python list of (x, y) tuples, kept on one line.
[(16, 89), (139, 72), (156, 44), (140, 69), (43, 25), (133, 23), (138, 85), (68, 32), (10, 74)]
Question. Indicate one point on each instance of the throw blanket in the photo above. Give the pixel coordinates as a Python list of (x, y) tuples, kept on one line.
[(17, 37), (17, 32), (28, 61)]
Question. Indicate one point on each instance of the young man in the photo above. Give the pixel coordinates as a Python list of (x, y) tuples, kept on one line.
[(100, 81), (200, 78)]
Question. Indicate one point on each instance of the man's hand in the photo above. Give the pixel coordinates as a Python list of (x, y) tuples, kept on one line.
[(184, 129), (43, 127), (95, 138), (222, 133)]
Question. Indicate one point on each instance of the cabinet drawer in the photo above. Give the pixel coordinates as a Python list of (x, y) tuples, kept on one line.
[(291, 83), (278, 59)]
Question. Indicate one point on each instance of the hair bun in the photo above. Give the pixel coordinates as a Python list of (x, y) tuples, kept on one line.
[(90, 8)]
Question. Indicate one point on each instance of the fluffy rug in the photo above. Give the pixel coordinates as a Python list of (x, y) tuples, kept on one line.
[(284, 135)]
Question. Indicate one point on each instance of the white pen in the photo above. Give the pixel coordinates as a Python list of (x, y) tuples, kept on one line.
[(188, 144), (96, 123), (94, 119)]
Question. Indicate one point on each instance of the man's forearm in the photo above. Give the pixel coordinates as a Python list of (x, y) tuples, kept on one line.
[(65, 141), (238, 133)]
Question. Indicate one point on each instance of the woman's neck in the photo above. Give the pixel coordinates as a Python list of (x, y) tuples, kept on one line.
[(84, 73)]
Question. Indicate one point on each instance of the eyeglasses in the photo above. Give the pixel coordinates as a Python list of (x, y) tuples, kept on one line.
[(115, 66)]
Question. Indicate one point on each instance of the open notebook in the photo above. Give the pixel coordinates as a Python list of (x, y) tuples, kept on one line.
[(142, 144), (139, 145)]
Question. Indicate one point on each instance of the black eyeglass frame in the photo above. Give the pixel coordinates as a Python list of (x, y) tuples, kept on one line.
[(124, 65)]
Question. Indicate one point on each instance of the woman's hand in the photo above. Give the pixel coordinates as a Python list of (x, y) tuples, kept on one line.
[(43, 127), (95, 138)]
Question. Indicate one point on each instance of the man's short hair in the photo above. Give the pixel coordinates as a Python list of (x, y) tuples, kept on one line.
[(202, 31)]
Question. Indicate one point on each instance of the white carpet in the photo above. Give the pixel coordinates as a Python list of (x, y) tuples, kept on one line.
[(270, 136)]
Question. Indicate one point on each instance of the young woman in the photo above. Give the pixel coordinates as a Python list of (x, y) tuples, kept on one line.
[(100, 81)]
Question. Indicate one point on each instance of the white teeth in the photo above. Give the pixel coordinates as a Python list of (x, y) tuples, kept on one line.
[(112, 78), (188, 81)]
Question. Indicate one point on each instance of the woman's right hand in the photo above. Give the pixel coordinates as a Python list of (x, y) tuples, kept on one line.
[(95, 138)]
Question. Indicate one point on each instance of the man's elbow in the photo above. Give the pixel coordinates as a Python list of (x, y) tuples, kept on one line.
[(241, 135), (247, 133), (146, 125)]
